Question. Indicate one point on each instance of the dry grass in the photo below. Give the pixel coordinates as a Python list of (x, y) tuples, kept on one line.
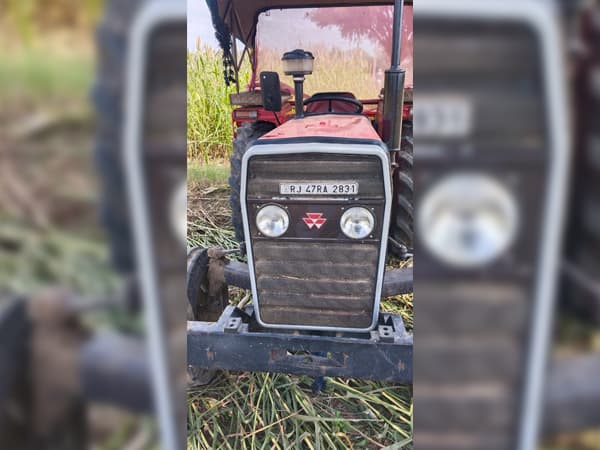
[(335, 70)]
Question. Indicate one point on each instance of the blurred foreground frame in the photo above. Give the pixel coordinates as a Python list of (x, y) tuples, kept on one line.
[(492, 109), (116, 368), (50, 367)]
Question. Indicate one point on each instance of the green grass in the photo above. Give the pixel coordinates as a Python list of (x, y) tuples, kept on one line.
[(215, 173), (210, 131), (35, 73)]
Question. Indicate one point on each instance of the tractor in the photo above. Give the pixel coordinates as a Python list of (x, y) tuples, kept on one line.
[(477, 327), (321, 190)]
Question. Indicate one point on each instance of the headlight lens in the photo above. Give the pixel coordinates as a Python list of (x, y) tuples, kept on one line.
[(178, 212), (272, 221), (357, 222), (468, 219)]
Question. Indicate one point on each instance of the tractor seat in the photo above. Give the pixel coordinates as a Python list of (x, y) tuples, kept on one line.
[(322, 102)]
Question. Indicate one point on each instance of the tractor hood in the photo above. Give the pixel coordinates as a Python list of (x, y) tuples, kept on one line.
[(238, 17), (334, 127)]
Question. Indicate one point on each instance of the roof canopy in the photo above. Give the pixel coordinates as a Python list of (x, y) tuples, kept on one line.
[(240, 16)]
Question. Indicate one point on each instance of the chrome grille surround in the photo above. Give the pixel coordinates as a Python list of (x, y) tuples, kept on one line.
[(344, 150)]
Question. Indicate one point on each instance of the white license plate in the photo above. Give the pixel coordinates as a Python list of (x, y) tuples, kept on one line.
[(332, 188)]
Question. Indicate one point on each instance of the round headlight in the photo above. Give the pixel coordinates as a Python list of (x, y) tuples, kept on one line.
[(357, 222), (468, 219), (272, 221), (178, 212)]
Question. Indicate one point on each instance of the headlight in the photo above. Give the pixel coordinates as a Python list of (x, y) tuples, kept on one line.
[(178, 211), (357, 222), (468, 219), (272, 221)]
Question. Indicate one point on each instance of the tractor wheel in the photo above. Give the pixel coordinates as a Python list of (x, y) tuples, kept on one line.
[(206, 300), (108, 93), (205, 303), (401, 227), (246, 135)]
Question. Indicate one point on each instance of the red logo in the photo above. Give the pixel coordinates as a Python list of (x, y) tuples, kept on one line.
[(314, 220)]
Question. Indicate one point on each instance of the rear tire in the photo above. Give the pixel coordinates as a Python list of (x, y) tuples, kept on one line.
[(246, 135), (401, 227)]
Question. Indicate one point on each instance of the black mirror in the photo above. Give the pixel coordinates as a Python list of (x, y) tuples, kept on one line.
[(271, 91)]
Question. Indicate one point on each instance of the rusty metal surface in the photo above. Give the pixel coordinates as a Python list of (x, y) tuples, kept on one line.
[(236, 342)]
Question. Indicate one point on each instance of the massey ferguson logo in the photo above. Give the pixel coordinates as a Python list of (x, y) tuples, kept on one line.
[(314, 220)]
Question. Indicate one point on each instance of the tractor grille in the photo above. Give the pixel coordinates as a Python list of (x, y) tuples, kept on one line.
[(323, 285), (311, 277)]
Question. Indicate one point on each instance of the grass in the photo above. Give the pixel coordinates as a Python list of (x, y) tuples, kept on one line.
[(215, 173), (210, 130), (335, 70), (44, 72), (279, 411)]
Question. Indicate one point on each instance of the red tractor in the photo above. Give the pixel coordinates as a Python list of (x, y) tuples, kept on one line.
[(318, 183), (370, 28)]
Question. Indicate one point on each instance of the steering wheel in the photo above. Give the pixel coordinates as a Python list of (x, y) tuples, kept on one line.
[(334, 98)]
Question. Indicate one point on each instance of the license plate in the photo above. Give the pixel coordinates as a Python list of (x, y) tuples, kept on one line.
[(332, 188), (443, 116)]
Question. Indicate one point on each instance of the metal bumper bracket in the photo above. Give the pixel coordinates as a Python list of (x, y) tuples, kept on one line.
[(237, 342)]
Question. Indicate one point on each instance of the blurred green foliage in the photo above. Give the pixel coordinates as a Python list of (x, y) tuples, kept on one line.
[(28, 20), (34, 74)]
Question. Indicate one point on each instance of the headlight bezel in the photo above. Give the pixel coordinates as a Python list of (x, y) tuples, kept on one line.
[(286, 216), (486, 192), (371, 218)]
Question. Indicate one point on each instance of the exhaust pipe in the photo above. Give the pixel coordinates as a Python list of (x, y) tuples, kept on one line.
[(394, 86)]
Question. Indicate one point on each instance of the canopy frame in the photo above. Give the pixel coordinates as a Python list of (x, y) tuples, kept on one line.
[(229, 17)]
